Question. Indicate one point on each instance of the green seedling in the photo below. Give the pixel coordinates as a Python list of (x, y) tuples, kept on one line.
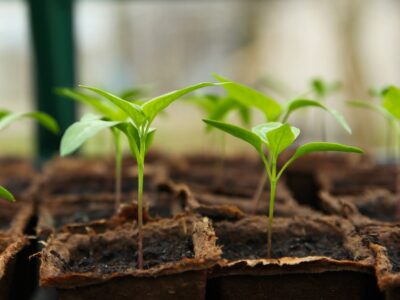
[(276, 137), (275, 112), (7, 118), (137, 128), (217, 107), (108, 112), (388, 107)]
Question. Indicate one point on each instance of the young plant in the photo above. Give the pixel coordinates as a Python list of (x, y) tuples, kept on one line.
[(389, 108), (217, 107), (108, 112), (275, 112), (7, 118), (276, 137), (137, 128)]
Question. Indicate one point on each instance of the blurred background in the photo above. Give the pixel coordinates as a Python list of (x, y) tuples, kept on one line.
[(279, 46)]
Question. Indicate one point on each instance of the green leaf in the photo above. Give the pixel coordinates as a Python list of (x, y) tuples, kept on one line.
[(133, 110), (252, 98), (277, 136), (106, 109), (322, 88), (6, 195), (371, 106), (323, 147), (241, 133), (391, 101), (44, 119), (303, 103), (79, 132), (132, 134), (3, 113), (154, 106), (150, 138), (133, 94)]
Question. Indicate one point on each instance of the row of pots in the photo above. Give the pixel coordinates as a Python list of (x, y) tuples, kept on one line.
[(205, 238)]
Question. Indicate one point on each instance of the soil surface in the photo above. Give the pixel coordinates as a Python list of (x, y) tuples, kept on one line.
[(105, 257), (283, 245), (77, 186), (83, 216), (379, 211)]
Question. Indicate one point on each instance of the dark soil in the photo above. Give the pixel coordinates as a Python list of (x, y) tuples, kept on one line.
[(83, 216), (304, 188), (255, 245), (77, 186), (105, 257), (380, 212)]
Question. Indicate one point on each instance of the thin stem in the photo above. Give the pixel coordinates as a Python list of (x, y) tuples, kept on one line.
[(260, 188), (118, 169), (273, 182), (221, 161), (140, 210)]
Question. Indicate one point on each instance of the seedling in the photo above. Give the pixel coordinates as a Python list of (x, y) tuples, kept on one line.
[(275, 112), (389, 108), (108, 112), (276, 137), (217, 107), (7, 118), (137, 128)]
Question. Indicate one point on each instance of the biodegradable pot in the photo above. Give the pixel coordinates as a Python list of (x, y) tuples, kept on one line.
[(14, 217), (312, 258), (218, 207), (384, 240), (301, 175), (238, 177), (58, 211), (10, 246), (374, 205), (356, 180), (76, 183), (16, 175), (177, 253)]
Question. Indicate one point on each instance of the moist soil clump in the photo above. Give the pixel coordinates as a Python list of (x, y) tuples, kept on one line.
[(102, 256)]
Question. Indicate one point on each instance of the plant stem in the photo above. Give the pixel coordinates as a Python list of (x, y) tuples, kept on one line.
[(260, 188), (118, 169), (140, 210), (271, 215), (221, 162), (273, 180)]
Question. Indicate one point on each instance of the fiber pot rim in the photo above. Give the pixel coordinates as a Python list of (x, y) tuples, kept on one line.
[(16, 244), (309, 264), (206, 252)]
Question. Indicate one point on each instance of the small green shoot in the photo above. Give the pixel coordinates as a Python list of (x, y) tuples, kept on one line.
[(276, 112), (109, 113), (276, 137), (137, 128), (389, 108), (7, 118)]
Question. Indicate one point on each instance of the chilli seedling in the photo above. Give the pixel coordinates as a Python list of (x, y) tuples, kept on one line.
[(217, 107), (108, 112), (275, 112), (7, 118), (137, 128), (276, 137), (389, 108)]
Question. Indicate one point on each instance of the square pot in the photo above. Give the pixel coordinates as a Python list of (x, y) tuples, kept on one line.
[(312, 258), (59, 211), (356, 180), (10, 246), (375, 205), (384, 240), (103, 265)]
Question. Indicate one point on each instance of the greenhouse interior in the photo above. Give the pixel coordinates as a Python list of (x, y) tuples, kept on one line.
[(200, 150)]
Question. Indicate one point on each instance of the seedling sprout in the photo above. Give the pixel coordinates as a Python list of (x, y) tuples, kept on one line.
[(276, 137), (108, 112), (137, 128)]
